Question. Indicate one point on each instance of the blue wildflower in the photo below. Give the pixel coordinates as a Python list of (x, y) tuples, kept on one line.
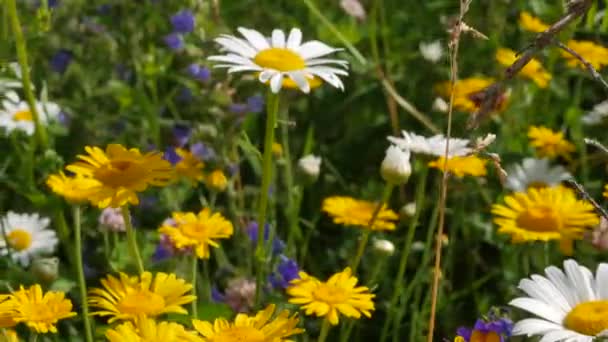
[(492, 329), (202, 151), (164, 250), (199, 73), (171, 156), (287, 270), (174, 41), (252, 230), (185, 95), (183, 21), (216, 295), (255, 104), (61, 60), (181, 135), (238, 108)]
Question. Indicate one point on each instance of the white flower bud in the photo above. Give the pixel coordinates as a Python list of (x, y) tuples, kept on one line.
[(396, 168), (353, 8), (432, 51), (384, 246), (408, 210), (310, 166), (45, 269), (418, 246), (439, 105)]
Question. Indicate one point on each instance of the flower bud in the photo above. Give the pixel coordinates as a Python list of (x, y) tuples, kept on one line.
[(439, 105), (111, 219), (310, 166), (432, 51), (396, 168), (45, 269), (408, 210), (216, 181), (384, 247)]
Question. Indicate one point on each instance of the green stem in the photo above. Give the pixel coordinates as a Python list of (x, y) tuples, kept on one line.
[(324, 331), (131, 238), (260, 252), (388, 190), (407, 245), (293, 192), (25, 74), (82, 285), (194, 289), (33, 335), (313, 8)]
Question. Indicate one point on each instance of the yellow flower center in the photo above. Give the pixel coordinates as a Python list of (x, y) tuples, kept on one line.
[(141, 302), (196, 231), (23, 115), (279, 59), (330, 294), (120, 173), (35, 311), (19, 239), (589, 318), (239, 334), (539, 218)]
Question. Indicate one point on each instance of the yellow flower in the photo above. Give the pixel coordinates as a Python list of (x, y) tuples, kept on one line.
[(595, 54), (531, 23), (339, 295), (277, 149), (6, 311), (147, 330), (545, 214), (349, 211), (259, 328), (216, 181), (121, 174), (549, 144), (533, 70), (39, 311), (462, 166), (189, 166), (128, 297), (198, 231), (605, 193), (463, 89), (73, 189)]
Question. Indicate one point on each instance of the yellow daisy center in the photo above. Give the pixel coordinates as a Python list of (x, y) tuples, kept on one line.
[(240, 334), (141, 302), (35, 311), (23, 115), (120, 173), (19, 239), (279, 59), (539, 218), (330, 294), (196, 231), (589, 318)]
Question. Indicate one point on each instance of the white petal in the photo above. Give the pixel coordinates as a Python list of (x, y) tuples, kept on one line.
[(538, 308), (266, 75), (322, 61), (601, 281), (579, 280), (314, 49), (552, 294), (558, 335), (295, 38), (300, 80), (278, 38), (328, 77), (563, 284), (231, 58), (244, 68), (236, 45), (276, 82), (534, 326), (255, 38)]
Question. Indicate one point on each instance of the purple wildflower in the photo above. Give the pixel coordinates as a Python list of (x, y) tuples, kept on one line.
[(202, 151), (171, 156), (181, 135), (252, 230), (238, 108), (61, 60), (287, 270), (255, 104), (174, 41), (500, 326), (183, 21), (198, 72)]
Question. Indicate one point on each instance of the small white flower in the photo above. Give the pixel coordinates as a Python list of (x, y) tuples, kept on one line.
[(112, 220), (432, 51), (570, 305), (534, 173), (439, 105), (281, 61), (597, 114), (409, 210), (384, 246), (396, 168), (16, 114), (353, 8), (310, 165), (27, 236), (434, 145)]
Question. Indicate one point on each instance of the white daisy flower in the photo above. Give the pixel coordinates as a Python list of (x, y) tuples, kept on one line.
[(570, 306), (281, 61), (434, 145), (16, 114), (597, 114), (535, 173), (26, 236)]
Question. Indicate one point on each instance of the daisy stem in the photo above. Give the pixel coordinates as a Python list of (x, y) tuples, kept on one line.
[(82, 285), (272, 103), (33, 335), (324, 331), (193, 280), (21, 46), (126, 215), (388, 190)]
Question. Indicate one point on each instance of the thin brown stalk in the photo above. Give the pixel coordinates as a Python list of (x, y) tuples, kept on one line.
[(454, 47), (596, 75)]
